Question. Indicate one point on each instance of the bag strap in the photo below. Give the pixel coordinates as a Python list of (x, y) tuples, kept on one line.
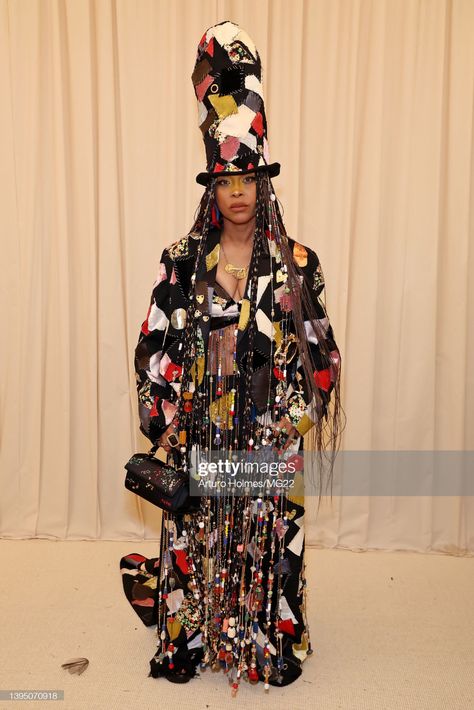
[(153, 449)]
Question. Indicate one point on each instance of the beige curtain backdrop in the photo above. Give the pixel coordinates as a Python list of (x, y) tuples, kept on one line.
[(370, 110)]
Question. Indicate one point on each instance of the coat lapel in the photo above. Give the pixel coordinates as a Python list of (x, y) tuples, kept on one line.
[(204, 290)]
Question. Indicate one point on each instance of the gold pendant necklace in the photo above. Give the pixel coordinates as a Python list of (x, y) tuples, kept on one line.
[(239, 272)]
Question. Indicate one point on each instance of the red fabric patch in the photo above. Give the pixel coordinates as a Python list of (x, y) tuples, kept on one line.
[(210, 47), (181, 561), (278, 373), (249, 166), (257, 124), (218, 168), (172, 372), (214, 221), (136, 557), (322, 379), (269, 234), (154, 409), (287, 626)]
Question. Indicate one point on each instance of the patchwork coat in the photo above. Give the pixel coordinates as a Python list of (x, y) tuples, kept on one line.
[(159, 352)]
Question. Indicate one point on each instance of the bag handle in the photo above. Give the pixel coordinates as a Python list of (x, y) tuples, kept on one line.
[(153, 449)]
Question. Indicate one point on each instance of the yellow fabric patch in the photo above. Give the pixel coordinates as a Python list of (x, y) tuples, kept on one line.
[(213, 257), (224, 105), (304, 424), (220, 407), (277, 336), (244, 314), (201, 361), (174, 627), (296, 494), (300, 254), (152, 583), (300, 649)]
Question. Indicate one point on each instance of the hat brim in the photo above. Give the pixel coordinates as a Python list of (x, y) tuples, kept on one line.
[(273, 169)]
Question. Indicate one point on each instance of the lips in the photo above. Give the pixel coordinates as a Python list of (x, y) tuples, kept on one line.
[(238, 206)]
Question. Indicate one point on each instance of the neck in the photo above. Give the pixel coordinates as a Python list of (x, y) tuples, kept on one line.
[(238, 233)]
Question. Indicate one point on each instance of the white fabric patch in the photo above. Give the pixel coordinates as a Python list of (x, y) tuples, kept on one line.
[(202, 112), (310, 330), (285, 611), (154, 369), (224, 34), (250, 141), (296, 544), (195, 643), (237, 124), (174, 599), (264, 324), (157, 319), (253, 83), (245, 39), (260, 640), (262, 284)]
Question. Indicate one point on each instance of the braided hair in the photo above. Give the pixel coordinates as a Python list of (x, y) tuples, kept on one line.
[(325, 434)]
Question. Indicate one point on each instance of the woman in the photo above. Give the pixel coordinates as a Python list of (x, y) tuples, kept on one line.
[(236, 355)]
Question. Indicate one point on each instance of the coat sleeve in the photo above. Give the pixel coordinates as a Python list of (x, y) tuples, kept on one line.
[(301, 403), (156, 374)]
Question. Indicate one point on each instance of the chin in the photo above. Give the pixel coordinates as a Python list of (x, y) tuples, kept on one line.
[(240, 217)]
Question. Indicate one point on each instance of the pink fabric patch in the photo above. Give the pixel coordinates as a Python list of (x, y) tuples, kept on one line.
[(161, 273), (203, 87), (229, 147), (336, 363), (169, 410), (173, 277)]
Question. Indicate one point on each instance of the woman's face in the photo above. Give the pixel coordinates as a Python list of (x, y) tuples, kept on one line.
[(236, 197)]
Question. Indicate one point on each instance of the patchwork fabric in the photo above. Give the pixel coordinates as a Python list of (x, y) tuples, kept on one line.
[(227, 83), (160, 337), (158, 365)]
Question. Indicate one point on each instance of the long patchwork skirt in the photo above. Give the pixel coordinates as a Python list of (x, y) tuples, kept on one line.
[(227, 590)]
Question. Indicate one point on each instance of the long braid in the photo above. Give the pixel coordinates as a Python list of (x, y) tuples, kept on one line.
[(201, 224), (302, 308), (258, 246)]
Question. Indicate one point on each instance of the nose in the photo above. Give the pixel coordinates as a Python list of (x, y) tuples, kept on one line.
[(237, 190)]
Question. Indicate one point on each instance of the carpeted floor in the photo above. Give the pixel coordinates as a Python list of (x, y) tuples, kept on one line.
[(390, 630)]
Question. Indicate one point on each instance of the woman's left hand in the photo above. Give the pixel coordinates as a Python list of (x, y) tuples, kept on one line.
[(285, 424)]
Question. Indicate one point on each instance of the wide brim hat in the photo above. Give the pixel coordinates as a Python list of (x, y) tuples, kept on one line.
[(273, 169), (227, 83)]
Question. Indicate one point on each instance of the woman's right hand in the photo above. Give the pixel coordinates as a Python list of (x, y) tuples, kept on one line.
[(163, 440)]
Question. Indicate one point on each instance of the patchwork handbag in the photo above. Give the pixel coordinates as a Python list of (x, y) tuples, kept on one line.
[(159, 483)]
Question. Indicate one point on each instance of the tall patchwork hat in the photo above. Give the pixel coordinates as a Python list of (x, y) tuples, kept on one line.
[(227, 83)]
